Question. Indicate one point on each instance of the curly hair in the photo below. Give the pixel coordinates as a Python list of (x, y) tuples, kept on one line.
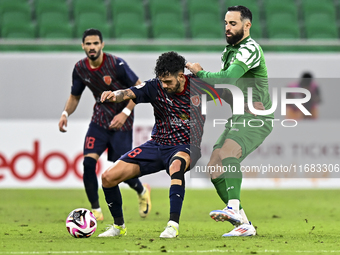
[(169, 63)]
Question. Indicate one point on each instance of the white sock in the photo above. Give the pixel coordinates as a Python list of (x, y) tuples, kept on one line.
[(235, 204), (244, 216), (122, 226), (173, 223), (143, 192), (97, 209)]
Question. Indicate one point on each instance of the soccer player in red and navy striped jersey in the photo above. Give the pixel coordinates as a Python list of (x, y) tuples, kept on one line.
[(175, 140), (111, 124)]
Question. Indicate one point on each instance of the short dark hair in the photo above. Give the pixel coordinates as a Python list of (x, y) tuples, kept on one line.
[(92, 31), (169, 63), (307, 75), (245, 12)]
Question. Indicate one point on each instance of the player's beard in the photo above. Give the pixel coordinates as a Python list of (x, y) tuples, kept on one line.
[(94, 57), (174, 90), (234, 38)]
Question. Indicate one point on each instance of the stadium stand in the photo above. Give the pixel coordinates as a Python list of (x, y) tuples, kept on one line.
[(168, 26), (48, 28), (92, 20), (158, 19), (206, 25), (129, 26)]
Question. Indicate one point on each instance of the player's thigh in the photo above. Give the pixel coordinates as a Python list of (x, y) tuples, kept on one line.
[(96, 140), (249, 137), (229, 149), (147, 156), (120, 171), (120, 143)]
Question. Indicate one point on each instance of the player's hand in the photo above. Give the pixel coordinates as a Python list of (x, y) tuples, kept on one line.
[(62, 123), (194, 67), (108, 96), (118, 121), (257, 106)]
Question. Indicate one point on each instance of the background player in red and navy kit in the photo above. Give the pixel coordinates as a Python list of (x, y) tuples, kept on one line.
[(175, 141), (111, 124)]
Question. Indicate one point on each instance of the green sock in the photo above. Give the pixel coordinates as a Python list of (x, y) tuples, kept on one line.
[(234, 180), (221, 188)]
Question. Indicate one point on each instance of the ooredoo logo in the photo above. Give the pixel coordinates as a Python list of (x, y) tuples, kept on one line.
[(41, 163)]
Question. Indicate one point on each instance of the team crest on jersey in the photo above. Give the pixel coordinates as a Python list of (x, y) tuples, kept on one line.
[(195, 100), (107, 79)]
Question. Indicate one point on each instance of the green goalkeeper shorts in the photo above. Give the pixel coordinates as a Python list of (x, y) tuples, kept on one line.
[(247, 130)]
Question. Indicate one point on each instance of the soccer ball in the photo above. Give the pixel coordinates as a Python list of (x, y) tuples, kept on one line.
[(81, 223)]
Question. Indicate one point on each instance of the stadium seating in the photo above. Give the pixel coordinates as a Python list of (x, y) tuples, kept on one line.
[(92, 20), (316, 29), (49, 28), (125, 19), (168, 26), (84, 7), (311, 7), (18, 30), (196, 7), (43, 6), (282, 27), (122, 7), (274, 8), (252, 5), (206, 25), (16, 20), (165, 7), (129, 26), (19, 6)]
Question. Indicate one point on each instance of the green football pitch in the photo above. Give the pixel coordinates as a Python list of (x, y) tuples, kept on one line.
[(287, 222)]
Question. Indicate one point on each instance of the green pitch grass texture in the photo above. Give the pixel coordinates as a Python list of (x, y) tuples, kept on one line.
[(287, 222)]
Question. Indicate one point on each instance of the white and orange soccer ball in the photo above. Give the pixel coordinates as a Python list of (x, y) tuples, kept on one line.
[(81, 223)]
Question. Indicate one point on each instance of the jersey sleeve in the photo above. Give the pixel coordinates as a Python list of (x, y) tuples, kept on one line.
[(145, 92), (77, 84), (248, 56), (125, 74)]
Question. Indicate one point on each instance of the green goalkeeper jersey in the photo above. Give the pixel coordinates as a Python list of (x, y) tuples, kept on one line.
[(243, 65)]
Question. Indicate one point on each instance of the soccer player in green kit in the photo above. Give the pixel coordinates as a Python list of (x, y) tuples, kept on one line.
[(243, 65)]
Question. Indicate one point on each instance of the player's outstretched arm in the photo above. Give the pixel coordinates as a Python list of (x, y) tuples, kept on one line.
[(117, 96)]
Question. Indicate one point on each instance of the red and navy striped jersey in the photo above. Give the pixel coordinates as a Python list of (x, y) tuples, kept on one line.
[(178, 118), (113, 74)]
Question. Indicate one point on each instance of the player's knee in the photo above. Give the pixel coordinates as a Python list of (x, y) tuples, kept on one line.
[(176, 171), (108, 181), (230, 153)]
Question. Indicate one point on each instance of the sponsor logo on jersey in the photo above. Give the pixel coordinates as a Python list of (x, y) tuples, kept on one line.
[(195, 100), (107, 79), (139, 86), (183, 116)]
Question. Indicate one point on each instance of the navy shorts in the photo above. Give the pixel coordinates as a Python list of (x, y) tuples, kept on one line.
[(153, 157), (98, 139)]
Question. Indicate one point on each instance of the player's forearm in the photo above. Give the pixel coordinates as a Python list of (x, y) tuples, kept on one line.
[(71, 104), (230, 76), (130, 105), (122, 95)]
